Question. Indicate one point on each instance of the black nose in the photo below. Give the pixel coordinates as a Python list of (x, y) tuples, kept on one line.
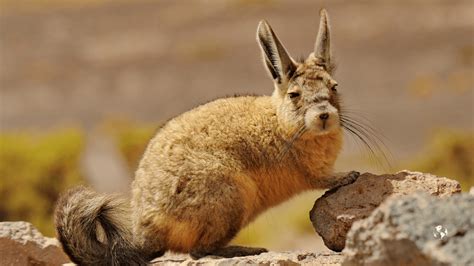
[(324, 116)]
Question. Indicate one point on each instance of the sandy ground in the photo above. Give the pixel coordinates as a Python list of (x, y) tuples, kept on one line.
[(405, 65)]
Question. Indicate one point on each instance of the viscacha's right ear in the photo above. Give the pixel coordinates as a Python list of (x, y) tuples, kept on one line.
[(322, 47), (278, 62)]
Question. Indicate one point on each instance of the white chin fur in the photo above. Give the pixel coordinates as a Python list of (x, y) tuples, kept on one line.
[(319, 126)]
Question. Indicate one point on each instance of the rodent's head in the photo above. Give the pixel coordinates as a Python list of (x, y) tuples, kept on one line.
[(305, 93)]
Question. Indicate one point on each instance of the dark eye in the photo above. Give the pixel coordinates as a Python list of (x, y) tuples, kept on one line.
[(333, 88), (293, 95)]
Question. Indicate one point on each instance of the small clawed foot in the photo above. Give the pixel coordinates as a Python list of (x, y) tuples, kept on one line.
[(352, 177), (197, 255), (349, 178), (229, 252), (237, 251)]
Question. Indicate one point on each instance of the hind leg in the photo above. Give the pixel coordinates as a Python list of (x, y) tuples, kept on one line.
[(148, 236), (150, 245)]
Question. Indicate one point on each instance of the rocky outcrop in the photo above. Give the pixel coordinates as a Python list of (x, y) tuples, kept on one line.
[(334, 213), (270, 258), (391, 224), (415, 230), (22, 244)]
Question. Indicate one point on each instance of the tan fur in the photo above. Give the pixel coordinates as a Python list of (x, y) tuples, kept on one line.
[(232, 142), (210, 171)]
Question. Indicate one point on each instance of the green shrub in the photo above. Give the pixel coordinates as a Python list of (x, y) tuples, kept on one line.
[(450, 154), (34, 170)]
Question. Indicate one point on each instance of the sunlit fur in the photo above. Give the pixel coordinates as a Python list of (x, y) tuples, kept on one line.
[(210, 171)]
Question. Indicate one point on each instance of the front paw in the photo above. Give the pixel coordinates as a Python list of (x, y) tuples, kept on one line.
[(349, 178)]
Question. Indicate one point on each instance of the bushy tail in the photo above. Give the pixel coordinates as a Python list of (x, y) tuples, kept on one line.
[(93, 229)]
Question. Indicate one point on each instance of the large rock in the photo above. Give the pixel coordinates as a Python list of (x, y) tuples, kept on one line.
[(22, 244), (415, 230), (333, 214), (270, 258)]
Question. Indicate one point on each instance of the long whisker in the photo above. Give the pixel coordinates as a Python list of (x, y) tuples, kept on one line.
[(299, 132), (368, 129), (361, 138), (361, 148), (370, 138)]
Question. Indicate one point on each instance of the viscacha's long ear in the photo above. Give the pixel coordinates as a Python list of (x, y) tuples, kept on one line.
[(277, 60), (322, 47)]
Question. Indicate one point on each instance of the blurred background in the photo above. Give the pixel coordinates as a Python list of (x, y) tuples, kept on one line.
[(85, 83)]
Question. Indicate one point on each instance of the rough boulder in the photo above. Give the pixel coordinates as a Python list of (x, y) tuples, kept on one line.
[(334, 213), (415, 230), (22, 244)]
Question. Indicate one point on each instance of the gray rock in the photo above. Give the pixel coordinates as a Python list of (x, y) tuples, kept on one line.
[(334, 213), (22, 244), (415, 230), (270, 258)]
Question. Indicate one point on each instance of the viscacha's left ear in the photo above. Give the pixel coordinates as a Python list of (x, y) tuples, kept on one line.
[(278, 62)]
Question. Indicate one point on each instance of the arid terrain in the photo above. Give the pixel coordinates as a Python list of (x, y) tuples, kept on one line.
[(407, 66)]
